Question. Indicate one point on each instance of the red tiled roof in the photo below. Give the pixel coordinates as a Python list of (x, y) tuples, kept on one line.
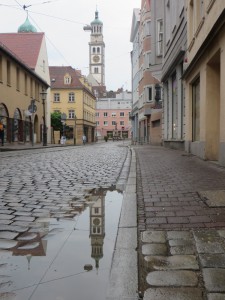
[(57, 74), (25, 45)]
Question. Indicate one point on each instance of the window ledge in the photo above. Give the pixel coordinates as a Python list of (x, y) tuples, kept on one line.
[(200, 26), (210, 5)]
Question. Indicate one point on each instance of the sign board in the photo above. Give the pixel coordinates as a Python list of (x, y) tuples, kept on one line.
[(32, 107)]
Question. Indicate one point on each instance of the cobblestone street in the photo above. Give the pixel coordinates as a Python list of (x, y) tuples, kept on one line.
[(43, 183), (45, 195)]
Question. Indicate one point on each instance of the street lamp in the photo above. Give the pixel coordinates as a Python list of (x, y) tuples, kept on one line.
[(43, 97), (63, 120)]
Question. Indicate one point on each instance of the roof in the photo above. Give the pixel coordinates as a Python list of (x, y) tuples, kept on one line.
[(17, 59), (27, 27), (19, 43), (96, 20), (57, 74)]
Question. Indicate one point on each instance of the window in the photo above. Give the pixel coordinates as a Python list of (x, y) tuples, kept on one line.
[(114, 123), (71, 114), (18, 78), (67, 79), (147, 27), (96, 210), (159, 49), (105, 123), (25, 84), (71, 97), (56, 97), (31, 87), (105, 114), (8, 73), (93, 50), (148, 92), (196, 110), (97, 123), (113, 114), (122, 123), (97, 114), (1, 68), (121, 114), (98, 49), (96, 70)]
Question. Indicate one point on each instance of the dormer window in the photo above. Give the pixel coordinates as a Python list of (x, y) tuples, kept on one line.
[(67, 79)]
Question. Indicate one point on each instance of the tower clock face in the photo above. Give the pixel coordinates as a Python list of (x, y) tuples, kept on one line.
[(96, 222), (96, 58)]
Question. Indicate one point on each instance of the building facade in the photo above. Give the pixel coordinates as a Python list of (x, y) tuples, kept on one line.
[(30, 47), (205, 91), (174, 53), (72, 96), (134, 39), (21, 108), (147, 106), (113, 116)]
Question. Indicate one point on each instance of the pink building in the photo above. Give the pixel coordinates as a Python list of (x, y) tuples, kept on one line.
[(112, 116)]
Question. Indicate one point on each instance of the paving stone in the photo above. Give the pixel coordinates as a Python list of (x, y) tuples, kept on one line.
[(182, 250), (173, 294), (6, 217), (221, 233), (8, 235), (153, 236), (154, 249), (172, 278), (24, 219), (214, 279), (179, 234), (181, 242), (216, 296), (214, 198), (176, 262), (212, 260)]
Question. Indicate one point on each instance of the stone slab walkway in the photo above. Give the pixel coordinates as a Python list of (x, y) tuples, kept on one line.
[(181, 226)]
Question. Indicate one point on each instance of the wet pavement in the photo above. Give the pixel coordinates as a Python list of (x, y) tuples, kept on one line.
[(181, 226), (176, 198), (60, 210)]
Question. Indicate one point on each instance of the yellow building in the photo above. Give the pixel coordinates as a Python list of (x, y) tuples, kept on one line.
[(72, 95), (26, 66), (20, 89), (204, 78)]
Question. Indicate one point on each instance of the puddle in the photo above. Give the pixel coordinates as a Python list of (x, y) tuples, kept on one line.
[(63, 258)]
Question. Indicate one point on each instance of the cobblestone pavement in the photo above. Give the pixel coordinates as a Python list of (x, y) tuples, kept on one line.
[(46, 183), (181, 225)]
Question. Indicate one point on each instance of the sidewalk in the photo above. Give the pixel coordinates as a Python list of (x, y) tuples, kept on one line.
[(27, 146), (181, 225)]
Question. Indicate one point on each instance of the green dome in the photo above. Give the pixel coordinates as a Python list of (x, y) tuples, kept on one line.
[(96, 20), (27, 27)]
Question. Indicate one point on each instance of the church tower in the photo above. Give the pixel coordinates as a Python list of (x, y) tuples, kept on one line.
[(96, 55)]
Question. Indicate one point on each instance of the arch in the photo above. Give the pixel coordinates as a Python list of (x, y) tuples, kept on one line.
[(3, 111), (4, 117), (17, 126)]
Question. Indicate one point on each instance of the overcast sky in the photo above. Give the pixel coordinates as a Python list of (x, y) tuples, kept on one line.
[(67, 42)]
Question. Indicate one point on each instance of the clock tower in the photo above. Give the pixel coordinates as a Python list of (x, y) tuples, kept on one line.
[(96, 55)]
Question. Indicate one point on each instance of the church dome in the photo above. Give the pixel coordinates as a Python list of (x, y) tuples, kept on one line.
[(27, 27), (96, 20)]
